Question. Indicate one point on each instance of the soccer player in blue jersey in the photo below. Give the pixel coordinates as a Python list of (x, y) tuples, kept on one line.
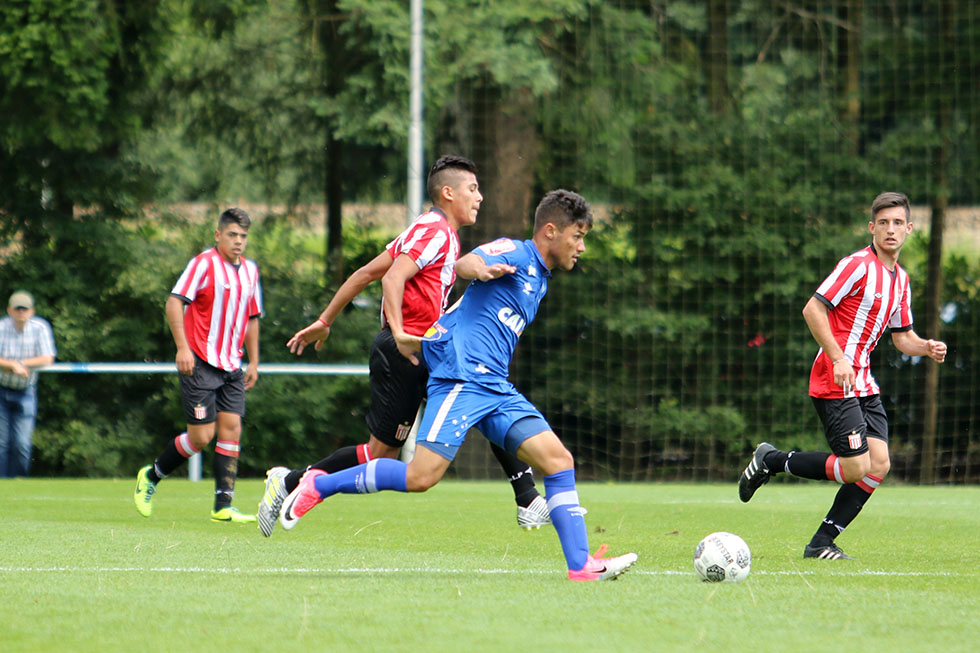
[(468, 352)]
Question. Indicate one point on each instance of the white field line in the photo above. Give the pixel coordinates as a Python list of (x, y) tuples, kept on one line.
[(434, 570)]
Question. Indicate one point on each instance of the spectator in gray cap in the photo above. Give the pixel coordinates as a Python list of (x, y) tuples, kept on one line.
[(26, 343)]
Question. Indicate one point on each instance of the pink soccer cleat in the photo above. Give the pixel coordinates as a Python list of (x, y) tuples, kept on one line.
[(301, 500), (599, 568)]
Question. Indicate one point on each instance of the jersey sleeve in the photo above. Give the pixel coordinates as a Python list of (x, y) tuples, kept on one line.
[(901, 319), (256, 307), (842, 281), (423, 242), (194, 278)]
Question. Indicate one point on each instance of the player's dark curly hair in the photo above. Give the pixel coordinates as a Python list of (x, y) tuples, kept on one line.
[(562, 208), (889, 199), (444, 172), (238, 216)]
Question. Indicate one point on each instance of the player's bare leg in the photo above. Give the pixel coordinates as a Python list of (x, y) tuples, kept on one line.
[(546, 452)]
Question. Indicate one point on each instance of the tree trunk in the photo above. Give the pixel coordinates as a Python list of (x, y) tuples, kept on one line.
[(505, 148), (716, 63), (849, 69), (334, 196), (940, 195)]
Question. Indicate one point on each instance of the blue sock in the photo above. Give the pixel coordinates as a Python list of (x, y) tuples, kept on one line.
[(568, 517), (379, 474)]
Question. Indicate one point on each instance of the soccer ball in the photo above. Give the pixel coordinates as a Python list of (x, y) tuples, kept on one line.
[(721, 557)]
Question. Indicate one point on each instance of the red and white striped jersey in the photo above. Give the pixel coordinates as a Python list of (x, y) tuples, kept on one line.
[(432, 243), (864, 297), (221, 298)]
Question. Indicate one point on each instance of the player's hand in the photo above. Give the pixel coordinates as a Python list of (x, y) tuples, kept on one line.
[(314, 334), (937, 350), (251, 376), (844, 375), (496, 271), (408, 346), (185, 362)]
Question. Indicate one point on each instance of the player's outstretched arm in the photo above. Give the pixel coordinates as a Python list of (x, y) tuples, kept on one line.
[(472, 266), (402, 269), (908, 342), (317, 332)]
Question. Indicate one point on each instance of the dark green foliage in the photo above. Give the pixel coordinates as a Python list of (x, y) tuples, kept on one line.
[(112, 310)]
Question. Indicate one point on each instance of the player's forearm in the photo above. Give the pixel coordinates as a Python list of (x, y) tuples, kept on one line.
[(470, 266), (354, 284), (175, 318), (817, 317), (394, 295), (252, 342), (910, 343)]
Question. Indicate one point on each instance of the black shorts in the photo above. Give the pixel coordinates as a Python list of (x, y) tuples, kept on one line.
[(209, 391), (849, 422), (397, 390)]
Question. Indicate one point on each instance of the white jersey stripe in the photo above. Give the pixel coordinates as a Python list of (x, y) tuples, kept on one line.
[(444, 409)]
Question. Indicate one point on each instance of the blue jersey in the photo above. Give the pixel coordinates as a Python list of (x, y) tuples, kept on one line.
[(476, 340)]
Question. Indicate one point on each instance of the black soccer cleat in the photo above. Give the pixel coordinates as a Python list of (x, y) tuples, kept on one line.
[(756, 474), (828, 552)]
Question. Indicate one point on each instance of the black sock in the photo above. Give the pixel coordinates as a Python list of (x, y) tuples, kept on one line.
[(520, 474), (810, 464), (847, 504), (343, 458), (292, 478), (166, 463), (225, 470), (776, 460)]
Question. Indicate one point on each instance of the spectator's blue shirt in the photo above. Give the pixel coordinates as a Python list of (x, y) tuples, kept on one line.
[(475, 341)]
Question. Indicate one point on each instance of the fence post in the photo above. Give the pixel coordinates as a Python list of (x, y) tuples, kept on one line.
[(194, 467)]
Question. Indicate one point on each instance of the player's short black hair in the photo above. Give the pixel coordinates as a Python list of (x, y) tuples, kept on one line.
[(443, 171), (888, 200), (562, 208), (238, 216)]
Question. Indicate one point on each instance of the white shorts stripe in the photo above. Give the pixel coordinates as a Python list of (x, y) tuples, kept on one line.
[(444, 409)]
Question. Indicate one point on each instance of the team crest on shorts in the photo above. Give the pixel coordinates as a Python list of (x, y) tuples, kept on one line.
[(200, 412), (402, 432), (854, 440)]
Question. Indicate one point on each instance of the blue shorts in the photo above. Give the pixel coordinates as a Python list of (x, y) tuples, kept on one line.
[(455, 406)]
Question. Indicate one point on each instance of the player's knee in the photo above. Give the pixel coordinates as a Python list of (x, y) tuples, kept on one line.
[(379, 449), (854, 469), (420, 482), (557, 460), (880, 468)]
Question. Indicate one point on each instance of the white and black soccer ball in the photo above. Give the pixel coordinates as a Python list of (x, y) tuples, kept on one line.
[(722, 557)]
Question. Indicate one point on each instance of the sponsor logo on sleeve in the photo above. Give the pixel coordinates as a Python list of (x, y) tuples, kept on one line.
[(498, 247)]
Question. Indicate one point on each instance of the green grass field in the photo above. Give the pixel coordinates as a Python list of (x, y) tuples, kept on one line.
[(449, 570)]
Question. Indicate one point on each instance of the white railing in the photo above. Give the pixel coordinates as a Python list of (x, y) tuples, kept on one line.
[(194, 462)]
